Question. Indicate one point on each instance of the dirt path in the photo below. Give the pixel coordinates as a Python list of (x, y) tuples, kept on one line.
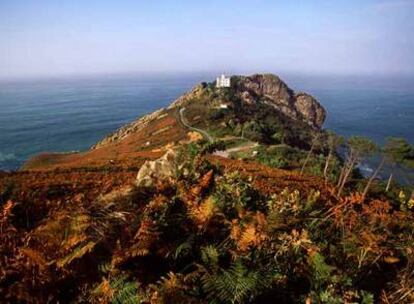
[(186, 124), (224, 153), (243, 147)]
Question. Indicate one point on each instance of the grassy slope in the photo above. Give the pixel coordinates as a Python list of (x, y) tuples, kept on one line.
[(129, 152)]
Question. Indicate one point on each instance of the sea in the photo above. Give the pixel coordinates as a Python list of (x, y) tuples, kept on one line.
[(73, 113)]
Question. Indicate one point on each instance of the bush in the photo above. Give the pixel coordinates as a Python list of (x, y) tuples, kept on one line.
[(211, 237), (253, 131), (217, 114)]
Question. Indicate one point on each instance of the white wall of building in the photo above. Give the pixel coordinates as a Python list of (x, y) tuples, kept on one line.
[(223, 81)]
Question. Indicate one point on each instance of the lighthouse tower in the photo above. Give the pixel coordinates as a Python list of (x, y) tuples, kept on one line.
[(223, 81)]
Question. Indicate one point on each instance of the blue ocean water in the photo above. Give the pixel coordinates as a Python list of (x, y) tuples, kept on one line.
[(376, 107), (72, 114)]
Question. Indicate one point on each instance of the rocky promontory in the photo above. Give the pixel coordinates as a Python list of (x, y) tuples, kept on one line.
[(260, 108), (269, 89), (272, 90)]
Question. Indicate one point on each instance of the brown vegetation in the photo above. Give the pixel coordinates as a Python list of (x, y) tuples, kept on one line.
[(130, 152), (224, 231)]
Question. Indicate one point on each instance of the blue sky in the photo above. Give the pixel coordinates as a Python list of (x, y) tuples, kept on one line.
[(52, 38)]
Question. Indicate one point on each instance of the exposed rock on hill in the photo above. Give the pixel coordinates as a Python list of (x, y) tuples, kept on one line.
[(272, 90), (160, 169), (310, 109)]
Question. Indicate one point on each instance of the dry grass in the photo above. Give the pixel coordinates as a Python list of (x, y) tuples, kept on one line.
[(132, 151)]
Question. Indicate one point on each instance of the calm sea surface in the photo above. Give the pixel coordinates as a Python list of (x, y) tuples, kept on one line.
[(68, 115)]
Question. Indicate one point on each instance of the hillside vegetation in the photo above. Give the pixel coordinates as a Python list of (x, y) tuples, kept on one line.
[(220, 231), (262, 210)]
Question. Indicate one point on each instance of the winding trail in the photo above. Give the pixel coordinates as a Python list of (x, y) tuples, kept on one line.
[(186, 124), (246, 146), (205, 134)]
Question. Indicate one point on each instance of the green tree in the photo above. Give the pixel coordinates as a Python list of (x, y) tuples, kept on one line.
[(395, 151), (333, 142), (316, 143), (359, 147), (253, 131), (372, 177)]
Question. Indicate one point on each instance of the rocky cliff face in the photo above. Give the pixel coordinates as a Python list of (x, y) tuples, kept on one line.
[(310, 109), (271, 90)]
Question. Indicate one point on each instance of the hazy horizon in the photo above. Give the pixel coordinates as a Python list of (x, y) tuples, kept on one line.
[(205, 76), (51, 39)]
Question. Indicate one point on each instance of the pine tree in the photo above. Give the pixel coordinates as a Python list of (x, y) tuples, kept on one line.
[(395, 151), (315, 144), (334, 142), (358, 148)]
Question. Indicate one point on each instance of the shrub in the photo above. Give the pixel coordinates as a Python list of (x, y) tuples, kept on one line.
[(211, 237)]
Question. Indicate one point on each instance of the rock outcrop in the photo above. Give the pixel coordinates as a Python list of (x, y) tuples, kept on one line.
[(271, 90), (161, 169), (310, 109)]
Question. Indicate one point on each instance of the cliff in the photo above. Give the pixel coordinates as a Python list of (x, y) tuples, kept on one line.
[(272, 90)]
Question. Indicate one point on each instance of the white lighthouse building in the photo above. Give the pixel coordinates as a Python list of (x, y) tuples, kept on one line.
[(223, 81)]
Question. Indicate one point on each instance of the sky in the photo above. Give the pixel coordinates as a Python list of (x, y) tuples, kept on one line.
[(45, 38)]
